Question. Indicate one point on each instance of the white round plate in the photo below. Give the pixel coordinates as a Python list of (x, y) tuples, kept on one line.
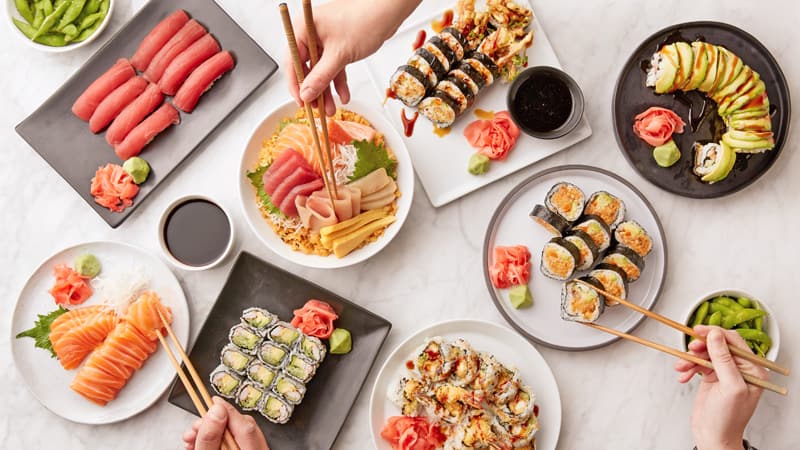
[(259, 225), (508, 347), (45, 377), (12, 13), (511, 225)]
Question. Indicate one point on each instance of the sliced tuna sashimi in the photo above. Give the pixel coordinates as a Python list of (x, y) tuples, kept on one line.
[(116, 101), (185, 37), (286, 162), (297, 136), (202, 79), (299, 176), (157, 38), (113, 188), (134, 113), (146, 131), (345, 132), (100, 88), (187, 61), (288, 206)]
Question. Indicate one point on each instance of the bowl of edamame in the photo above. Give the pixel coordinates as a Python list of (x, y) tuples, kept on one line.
[(734, 309), (58, 25)]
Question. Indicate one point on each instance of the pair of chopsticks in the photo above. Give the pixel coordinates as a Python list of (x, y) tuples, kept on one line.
[(330, 185), (228, 443), (739, 352)]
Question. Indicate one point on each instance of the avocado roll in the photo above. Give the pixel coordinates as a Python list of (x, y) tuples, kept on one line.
[(553, 223), (597, 229), (440, 109), (580, 303), (442, 51), (300, 369), (235, 359), (586, 248), (249, 396), (244, 337), (259, 319), (261, 374), (276, 410), (559, 259), (508, 384), (518, 409), (224, 381), (458, 91), (663, 70), (291, 390), (272, 354), (409, 85), (429, 65), (566, 200), (613, 279), (713, 161), (606, 206), (433, 362), (634, 236), (465, 362), (284, 333), (627, 260), (312, 349), (455, 41), (486, 380)]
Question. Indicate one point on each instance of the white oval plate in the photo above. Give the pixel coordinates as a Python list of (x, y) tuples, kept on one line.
[(511, 225), (45, 377), (508, 347), (259, 225)]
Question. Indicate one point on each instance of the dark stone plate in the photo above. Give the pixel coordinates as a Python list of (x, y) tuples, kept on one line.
[(333, 390), (66, 143), (632, 97)]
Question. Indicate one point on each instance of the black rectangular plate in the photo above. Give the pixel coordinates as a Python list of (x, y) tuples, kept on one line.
[(66, 143), (333, 390)]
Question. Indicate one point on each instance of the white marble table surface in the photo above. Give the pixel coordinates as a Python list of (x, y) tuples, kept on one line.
[(622, 396)]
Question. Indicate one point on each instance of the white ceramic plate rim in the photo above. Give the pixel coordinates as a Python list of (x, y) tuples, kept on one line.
[(11, 12), (405, 181)]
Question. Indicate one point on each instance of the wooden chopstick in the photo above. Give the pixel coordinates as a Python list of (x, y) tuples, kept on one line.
[(313, 52), (740, 352), (298, 70), (688, 357), (229, 442)]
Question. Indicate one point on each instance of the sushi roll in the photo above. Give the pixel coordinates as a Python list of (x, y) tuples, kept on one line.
[(312, 349), (486, 380), (508, 383), (411, 397), (607, 207), (432, 360), (519, 408), (458, 91), (632, 235), (301, 369), (483, 64), (613, 279), (559, 259), (713, 161), (580, 303), (235, 359), (442, 51), (409, 85), (467, 75), (259, 319), (427, 63), (272, 354), (627, 260), (566, 200), (276, 410), (244, 337), (224, 381), (522, 434), (455, 41), (261, 373), (465, 362), (474, 432), (290, 390), (249, 396), (440, 109), (597, 229), (284, 333), (553, 223), (663, 70), (586, 248), (452, 403)]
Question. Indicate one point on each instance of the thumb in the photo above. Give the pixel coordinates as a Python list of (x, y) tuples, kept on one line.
[(209, 436), (245, 430), (724, 365), (320, 77)]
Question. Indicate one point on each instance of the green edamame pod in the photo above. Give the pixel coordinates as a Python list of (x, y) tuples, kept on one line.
[(24, 9), (38, 16), (729, 302), (758, 322), (745, 324), (739, 317), (700, 314), (755, 335), (72, 13), (715, 319), (26, 29), (92, 6), (90, 20), (744, 301), (719, 307), (70, 32), (90, 31), (51, 19), (764, 348), (47, 6), (51, 40)]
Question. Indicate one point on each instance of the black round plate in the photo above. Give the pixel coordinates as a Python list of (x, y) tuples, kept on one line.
[(631, 97)]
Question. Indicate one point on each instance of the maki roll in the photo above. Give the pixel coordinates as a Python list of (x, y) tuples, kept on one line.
[(522, 434), (432, 360), (518, 409), (453, 38), (291, 390), (249, 396), (508, 384), (566, 200), (411, 397), (453, 403), (235, 359), (440, 109), (300, 369), (312, 348), (475, 432), (597, 229), (409, 85), (272, 354), (486, 380), (442, 51), (285, 334), (276, 410), (580, 302), (627, 260), (244, 337), (458, 91), (261, 373), (465, 362), (469, 76), (586, 248), (713, 161), (483, 64), (559, 259), (607, 207), (258, 318), (427, 63), (613, 279), (224, 381), (663, 70), (632, 235), (553, 223)]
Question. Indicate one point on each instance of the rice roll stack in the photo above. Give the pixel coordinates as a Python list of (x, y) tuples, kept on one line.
[(224, 381), (465, 362), (632, 235), (427, 63), (458, 91), (580, 303), (597, 229), (432, 360), (455, 41), (559, 259), (614, 281), (566, 200), (244, 337), (586, 248), (249, 396), (235, 359), (272, 354), (553, 223), (284, 333), (409, 85), (312, 349), (627, 260), (487, 63), (606, 206), (300, 369), (519, 408), (276, 410), (469, 75), (290, 390), (440, 109), (443, 53), (261, 374), (259, 319)]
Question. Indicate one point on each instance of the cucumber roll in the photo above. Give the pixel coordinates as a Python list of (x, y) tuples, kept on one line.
[(613, 279), (580, 303), (272, 354), (427, 63), (455, 41), (312, 348), (224, 381), (627, 260), (301, 369), (607, 207), (261, 373), (559, 259), (632, 235), (442, 51), (244, 337), (586, 248), (409, 85), (486, 380), (597, 229), (440, 109), (518, 409), (284, 333), (235, 359), (290, 390), (432, 360), (458, 91), (508, 384), (259, 319), (249, 396), (553, 223), (465, 362), (276, 410), (566, 200)]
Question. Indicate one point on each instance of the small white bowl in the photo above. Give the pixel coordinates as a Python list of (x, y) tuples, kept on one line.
[(12, 13), (163, 244), (770, 324)]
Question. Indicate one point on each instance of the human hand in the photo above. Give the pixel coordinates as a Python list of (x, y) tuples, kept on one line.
[(724, 402), (207, 433)]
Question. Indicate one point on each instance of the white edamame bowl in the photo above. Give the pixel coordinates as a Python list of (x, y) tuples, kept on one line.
[(12, 13)]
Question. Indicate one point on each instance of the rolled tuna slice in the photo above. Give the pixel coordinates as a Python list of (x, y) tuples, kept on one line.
[(289, 204), (185, 37), (202, 79), (133, 114), (142, 134), (315, 212), (100, 88), (187, 61), (157, 38), (113, 105)]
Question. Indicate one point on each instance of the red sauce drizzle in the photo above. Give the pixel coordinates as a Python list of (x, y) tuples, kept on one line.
[(408, 123), (419, 40), (410, 365), (536, 410), (446, 21), (431, 354)]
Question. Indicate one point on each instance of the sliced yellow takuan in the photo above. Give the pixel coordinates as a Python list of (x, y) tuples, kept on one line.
[(330, 233), (346, 244)]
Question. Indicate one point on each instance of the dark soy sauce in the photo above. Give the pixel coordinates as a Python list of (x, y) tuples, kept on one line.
[(543, 102), (197, 232)]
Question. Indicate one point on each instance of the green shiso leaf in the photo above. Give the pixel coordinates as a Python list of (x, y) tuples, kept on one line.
[(257, 179), (371, 157), (41, 330)]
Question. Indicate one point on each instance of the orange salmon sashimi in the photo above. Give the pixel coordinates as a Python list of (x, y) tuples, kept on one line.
[(71, 319), (96, 385), (143, 314), (74, 345), (297, 136)]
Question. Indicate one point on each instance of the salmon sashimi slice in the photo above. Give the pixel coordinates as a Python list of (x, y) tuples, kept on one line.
[(345, 132), (201, 79), (157, 38), (289, 204), (186, 36), (133, 114), (76, 343), (144, 314), (186, 62), (300, 176), (70, 287), (297, 136), (71, 319), (284, 164), (115, 102), (113, 78), (113, 188), (96, 385), (144, 133)]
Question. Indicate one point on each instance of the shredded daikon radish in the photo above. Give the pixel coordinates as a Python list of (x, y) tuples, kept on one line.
[(118, 290), (291, 223), (345, 163)]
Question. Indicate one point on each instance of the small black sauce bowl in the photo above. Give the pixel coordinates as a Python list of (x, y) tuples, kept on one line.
[(574, 90)]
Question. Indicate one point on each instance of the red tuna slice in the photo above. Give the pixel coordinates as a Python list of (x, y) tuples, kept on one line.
[(100, 88), (300, 175), (142, 134), (288, 205), (157, 38), (201, 80), (280, 169), (113, 105), (345, 132), (185, 37), (133, 114), (186, 62)]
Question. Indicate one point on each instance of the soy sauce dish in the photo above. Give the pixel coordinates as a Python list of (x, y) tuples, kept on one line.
[(545, 102), (196, 233)]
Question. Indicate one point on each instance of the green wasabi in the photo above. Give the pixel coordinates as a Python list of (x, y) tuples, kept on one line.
[(87, 265), (520, 296), (137, 168), (341, 342), (478, 164), (666, 155)]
